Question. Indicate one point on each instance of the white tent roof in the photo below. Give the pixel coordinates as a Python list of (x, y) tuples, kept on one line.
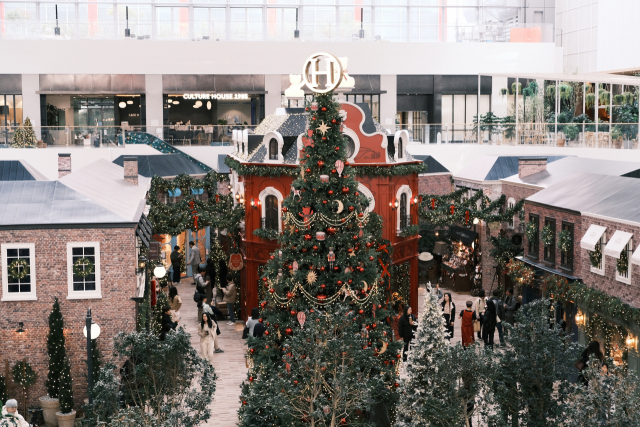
[(592, 237), (617, 243), (104, 183), (616, 79)]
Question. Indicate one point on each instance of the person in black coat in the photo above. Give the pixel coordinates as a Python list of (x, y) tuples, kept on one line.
[(407, 328), (489, 321), (592, 349), (168, 324), (449, 314)]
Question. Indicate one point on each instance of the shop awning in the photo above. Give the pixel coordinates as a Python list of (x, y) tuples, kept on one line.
[(463, 235), (635, 258), (592, 237), (617, 243)]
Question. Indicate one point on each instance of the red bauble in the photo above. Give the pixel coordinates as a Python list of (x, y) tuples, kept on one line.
[(293, 312), (336, 268), (290, 267), (272, 257), (330, 192), (324, 202), (252, 351), (324, 108), (361, 311), (334, 171), (350, 250), (314, 118), (321, 268), (323, 286), (345, 190), (266, 332), (370, 258), (306, 109), (337, 148), (346, 163), (296, 230), (272, 290), (349, 281), (285, 209), (374, 325), (324, 138), (304, 249), (339, 282), (308, 170), (264, 279), (357, 194), (396, 385), (289, 331), (263, 304), (289, 295), (355, 237), (331, 230), (360, 215), (351, 208), (307, 237), (343, 421), (260, 320), (398, 355), (320, 163), (250, 379), (334, 121)]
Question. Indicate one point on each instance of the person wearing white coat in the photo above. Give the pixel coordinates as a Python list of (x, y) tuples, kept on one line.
[(10, 413), (208, 338)]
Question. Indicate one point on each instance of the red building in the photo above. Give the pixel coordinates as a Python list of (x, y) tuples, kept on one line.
[(276, 143)]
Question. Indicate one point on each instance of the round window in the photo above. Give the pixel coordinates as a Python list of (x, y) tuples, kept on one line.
[(351, 146)]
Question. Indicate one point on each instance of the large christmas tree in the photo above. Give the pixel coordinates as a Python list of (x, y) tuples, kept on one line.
[(326, 357)]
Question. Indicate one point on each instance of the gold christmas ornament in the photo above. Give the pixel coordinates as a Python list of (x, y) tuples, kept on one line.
[(323, 128), (311, 277)]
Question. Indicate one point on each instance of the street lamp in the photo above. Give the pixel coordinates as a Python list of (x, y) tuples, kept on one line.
[(159, 271), (91, 331), (142, 261)]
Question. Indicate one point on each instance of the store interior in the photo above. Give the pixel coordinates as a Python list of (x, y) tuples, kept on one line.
[(179, 110)]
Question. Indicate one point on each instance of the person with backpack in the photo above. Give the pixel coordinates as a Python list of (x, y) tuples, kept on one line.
[(499, 314)]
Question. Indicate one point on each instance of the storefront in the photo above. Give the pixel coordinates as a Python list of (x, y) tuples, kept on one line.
[(10, 116), (461, 264), (76, 119)]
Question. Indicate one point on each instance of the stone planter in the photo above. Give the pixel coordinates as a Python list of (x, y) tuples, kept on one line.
[(560, 142), (49, 408), (66, 420), (617, 143)]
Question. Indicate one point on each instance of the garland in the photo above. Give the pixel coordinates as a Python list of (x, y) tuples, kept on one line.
[(265, 233), (411, 230), (595, 257), (594, 300), (23, 374), (622, 265), (565, 242), (547, 235), (531, 231), (452, 208), (18, 269), (609, 331), (345, 292), (520, 272), (83, 267), (371, 171)]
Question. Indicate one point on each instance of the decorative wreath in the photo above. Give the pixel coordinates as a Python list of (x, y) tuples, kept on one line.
[(18, 269), (622, 265), (83, 267), (531, 231), (547, 235)]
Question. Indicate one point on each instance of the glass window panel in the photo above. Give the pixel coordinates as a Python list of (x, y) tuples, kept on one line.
[(246, 23), (210, 22), (22, 253), (19, 19), (459, 111), (10, 110), (472, 107), (3, 115), (349, 24), (140, 19), (425, 24), (391, 23), (425, 2), (319, 23), (172, 22), (18, 108), (281, 23), (447, 108), (95, 20), (485, 104), (18, 284), (12, 253), (66, 18), (322, 2)]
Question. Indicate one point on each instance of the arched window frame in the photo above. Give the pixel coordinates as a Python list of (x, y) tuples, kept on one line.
[(405, 189), (356, 142), (400, 142), (270, 191), (511, 202), (266, 141), (369, 195)]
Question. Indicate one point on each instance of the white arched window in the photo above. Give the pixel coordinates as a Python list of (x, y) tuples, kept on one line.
[(273, 149), (271, 206), (369, 195), (353, 143), (400, 141), (403, 214), (273, 142), (510, 205)]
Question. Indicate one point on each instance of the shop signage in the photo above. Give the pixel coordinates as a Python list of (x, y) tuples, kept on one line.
[(235, 262), (215, 96), (312, 71)]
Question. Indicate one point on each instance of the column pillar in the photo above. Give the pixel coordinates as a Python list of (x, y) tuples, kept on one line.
[(388, 101), (273, 98), (31, 107), (154, 108)]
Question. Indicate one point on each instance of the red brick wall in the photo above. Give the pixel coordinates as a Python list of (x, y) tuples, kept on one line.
[(559, 216), (434, 184), (115, 312), (608, 283)]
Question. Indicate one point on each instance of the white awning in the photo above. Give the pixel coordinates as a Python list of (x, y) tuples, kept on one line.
[(592, 237), (635, 258), (617, 243)]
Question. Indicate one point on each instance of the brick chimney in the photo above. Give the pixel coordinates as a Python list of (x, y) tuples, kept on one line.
[(64, 164), (530, 165), (131, 169)]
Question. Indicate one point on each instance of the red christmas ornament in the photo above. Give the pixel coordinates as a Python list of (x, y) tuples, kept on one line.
[(337, 148), (320, 163), (289, 331), (323, 286), (360, 215), (433, 204), (339, 282), (346, 163), (250, 379), (308, 170), (355, 237), (315, 248), (324, 138), (331, 230), (260, 320), (285, 209), (334, 121), (349, 281), (369, 244), (324, 202), (466, 218), (324, 108), (321, 268), (336, 268), (272, 290), (345, 190), (314, 118), (307, 237), (306, 109), (296, 230), (266, 332), (330, 192), (356, 194), (289, 295), (293, 312), (263, 304), (264, 279), (343, 421), (361, 312), (252, 351), (370, 258), (351, 208), (272, 257), (334, 171), (452, 209)]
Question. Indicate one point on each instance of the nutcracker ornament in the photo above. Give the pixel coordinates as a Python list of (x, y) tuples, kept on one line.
[(331, 257)]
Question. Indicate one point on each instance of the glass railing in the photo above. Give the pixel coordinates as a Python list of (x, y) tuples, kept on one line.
[(615, 135), (18, 29)]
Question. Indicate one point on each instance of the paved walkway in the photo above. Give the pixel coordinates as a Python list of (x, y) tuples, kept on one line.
[(229, 366)]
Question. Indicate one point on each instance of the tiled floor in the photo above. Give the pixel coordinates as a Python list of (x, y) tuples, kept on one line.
[(229, 366)]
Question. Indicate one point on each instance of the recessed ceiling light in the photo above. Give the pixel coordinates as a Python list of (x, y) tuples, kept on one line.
[(122, 105), (130, 102)]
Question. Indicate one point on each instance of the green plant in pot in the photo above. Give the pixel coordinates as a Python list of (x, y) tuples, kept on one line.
[(516, 88), (618, 99), (571, 131), (504, 91), (590, 100), (509, 127)]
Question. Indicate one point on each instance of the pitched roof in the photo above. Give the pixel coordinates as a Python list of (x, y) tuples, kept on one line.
[(164, 165), (19, 170), (49, 202), (433, 166), (589, 193), (494, 168), (559, 170), (104, 183)]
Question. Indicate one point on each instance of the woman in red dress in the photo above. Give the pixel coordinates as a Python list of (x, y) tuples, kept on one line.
[(466, 328)]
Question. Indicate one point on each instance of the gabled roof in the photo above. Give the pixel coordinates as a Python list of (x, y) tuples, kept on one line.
[(494, 168), (588, 193), (433, 166), (36, 203), (286, 125), (104, 183), (559, 170), (164, 165), (19, 170)]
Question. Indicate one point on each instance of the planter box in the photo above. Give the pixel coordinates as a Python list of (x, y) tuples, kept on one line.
[(66, 420), (560, 142), (49, 409)]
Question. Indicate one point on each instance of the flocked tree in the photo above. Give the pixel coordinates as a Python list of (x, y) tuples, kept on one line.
[(59, 382), (535, 368), (162, 383), (612, 398), (327, 263)]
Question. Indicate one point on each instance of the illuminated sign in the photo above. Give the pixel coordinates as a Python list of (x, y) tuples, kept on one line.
[(229, 96)]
